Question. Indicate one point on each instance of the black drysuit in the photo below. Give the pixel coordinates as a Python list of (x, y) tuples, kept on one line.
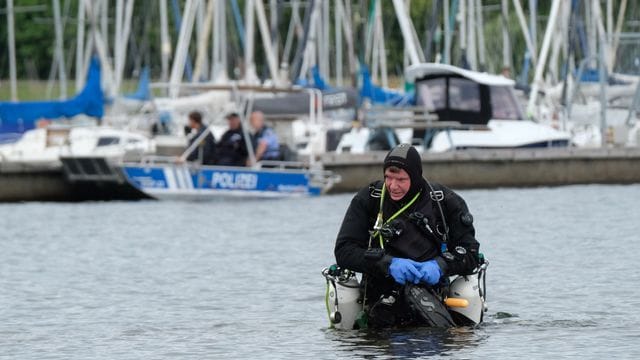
[(353, 239)]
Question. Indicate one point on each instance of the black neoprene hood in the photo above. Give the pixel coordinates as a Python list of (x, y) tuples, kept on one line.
[(407, 158)]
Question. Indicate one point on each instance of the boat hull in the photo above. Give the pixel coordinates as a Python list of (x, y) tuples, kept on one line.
[(187, 182)]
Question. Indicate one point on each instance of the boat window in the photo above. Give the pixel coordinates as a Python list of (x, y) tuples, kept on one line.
[(504, 104), (464, 95), (431, 94), (108, 140)]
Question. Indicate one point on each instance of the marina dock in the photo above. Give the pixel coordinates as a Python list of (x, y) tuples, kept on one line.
[(33, 182), (500, 168), (469, 169), (46, 182)]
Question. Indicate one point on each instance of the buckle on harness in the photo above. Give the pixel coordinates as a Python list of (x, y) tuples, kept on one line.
[(437, 195)]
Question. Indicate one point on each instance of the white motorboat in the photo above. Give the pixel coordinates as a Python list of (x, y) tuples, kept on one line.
[(46, 145), (456, 109)]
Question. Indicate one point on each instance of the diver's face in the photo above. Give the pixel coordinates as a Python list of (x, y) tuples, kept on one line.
[(398, 183)]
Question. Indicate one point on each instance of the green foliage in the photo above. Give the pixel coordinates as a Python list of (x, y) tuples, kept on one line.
[(35, 36), (34, 41)]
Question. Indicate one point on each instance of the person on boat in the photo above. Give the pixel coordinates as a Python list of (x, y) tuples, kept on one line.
[(232, 148), (265, 140), (205, 152), (406, 235)]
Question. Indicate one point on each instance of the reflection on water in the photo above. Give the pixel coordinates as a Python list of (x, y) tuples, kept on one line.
[(406, 343)]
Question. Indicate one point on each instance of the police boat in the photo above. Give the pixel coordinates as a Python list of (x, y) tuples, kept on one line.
[(173, 178), (176, 181), (462, 303), (164, 178)]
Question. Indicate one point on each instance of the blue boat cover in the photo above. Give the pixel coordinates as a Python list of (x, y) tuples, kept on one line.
[(18, 117), (143, 92), (316, 82), (379, 95)]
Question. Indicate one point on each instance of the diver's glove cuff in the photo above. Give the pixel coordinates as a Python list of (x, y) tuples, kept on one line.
[(383, 265), (442, 263)]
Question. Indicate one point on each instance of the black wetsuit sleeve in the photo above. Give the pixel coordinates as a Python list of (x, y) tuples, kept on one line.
[(353, 240), (461, 233)]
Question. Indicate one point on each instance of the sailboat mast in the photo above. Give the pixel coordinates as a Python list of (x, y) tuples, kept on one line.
[(472, 54), (544, 51), (482, 62), (250, 75), (447, 33), (80, 46), (62, 75), (12, 51), (408, 33), (337, 17), (165, 43), (531, 46), (506, 43)]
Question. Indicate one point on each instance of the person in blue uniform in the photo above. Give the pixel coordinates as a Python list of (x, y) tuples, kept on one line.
[(265, 141), (406, 235), (232, 147)]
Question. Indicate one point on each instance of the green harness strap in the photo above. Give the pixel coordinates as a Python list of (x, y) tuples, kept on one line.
[(380, 219)]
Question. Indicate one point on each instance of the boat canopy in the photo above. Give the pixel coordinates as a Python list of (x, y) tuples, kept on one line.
[(18, 117), (464, 96), (419, 71)]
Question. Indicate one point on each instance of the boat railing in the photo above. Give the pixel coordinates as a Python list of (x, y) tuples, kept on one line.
[(276, 164), (378, 114), (325, 179), (633, 109), (440, 125), (159, 159), (232, 85), (149, 160)]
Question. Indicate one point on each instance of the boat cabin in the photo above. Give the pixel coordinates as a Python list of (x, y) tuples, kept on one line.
[(463, 96)]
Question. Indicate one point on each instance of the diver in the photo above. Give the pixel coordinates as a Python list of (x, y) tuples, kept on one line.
[(407, 236)]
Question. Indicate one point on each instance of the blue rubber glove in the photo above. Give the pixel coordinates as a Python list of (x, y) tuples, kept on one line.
[(405, 270), (431, 272)]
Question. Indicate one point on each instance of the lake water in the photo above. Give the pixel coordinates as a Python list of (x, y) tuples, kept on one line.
[(241, 279)]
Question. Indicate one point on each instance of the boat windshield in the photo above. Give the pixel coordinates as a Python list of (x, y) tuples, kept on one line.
[(432, 94), (460, 99), (464, 95), (504, 104), (108, 140)]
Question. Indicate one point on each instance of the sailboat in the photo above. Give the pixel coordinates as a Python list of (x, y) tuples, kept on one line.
[(19, 117)]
